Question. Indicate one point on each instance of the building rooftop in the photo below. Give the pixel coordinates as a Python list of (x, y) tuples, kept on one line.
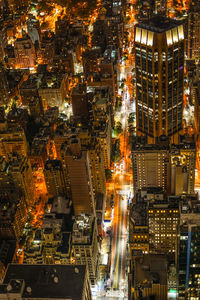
[(47, 281), (159, 24), (7, 251), (53, 164), (138, 214), (189, 204), (51, 80), (83, 229), (150, 269), (140, 143)]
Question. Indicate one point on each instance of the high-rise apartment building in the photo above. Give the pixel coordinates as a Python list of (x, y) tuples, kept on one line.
[(53, 89), (47, 47), (96, 162), (183, 161), (159, 64), (20, 170), (80, 101), (193, 31), (188, 259), (77, 165), (138, 229), (161, 165), (13, 214), (153, 222), (4, 89), (151, 164), (163, 219), (55, 179), (24, 52), (85, 244), (12, 139), (102, 128)]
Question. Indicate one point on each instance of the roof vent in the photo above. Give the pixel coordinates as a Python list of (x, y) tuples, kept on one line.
[(9, 287), (29, 289), (76, 270), (55, 279)]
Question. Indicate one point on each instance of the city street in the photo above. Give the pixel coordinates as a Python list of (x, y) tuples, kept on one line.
[(122, 189)]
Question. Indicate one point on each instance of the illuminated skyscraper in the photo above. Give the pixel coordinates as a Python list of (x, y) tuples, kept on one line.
[(193, 31), (159, 63), (188, 258)]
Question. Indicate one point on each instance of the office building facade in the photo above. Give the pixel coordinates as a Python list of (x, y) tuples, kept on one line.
[(159, 62)]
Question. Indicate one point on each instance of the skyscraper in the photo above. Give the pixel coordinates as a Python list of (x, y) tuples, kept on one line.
[(188, 258), (78, 174), (161, 165), (159, 62), (193, 31), (85, 244)]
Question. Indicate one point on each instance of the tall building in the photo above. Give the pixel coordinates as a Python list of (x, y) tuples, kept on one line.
[(183, 161), (163, 220), (138, 228), (85, 244), (20, 170), (96, 161), (53, 89), (150, 277), (103, 130), (24, 52), (80, 105), (4, 88), (55, 179), (47, 47), (13, 214), (12, 139), (151, 164), (46, 282), (161, 165), (193, 31), (159, 63), (188, 259), (153, 222), (78, 173)]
